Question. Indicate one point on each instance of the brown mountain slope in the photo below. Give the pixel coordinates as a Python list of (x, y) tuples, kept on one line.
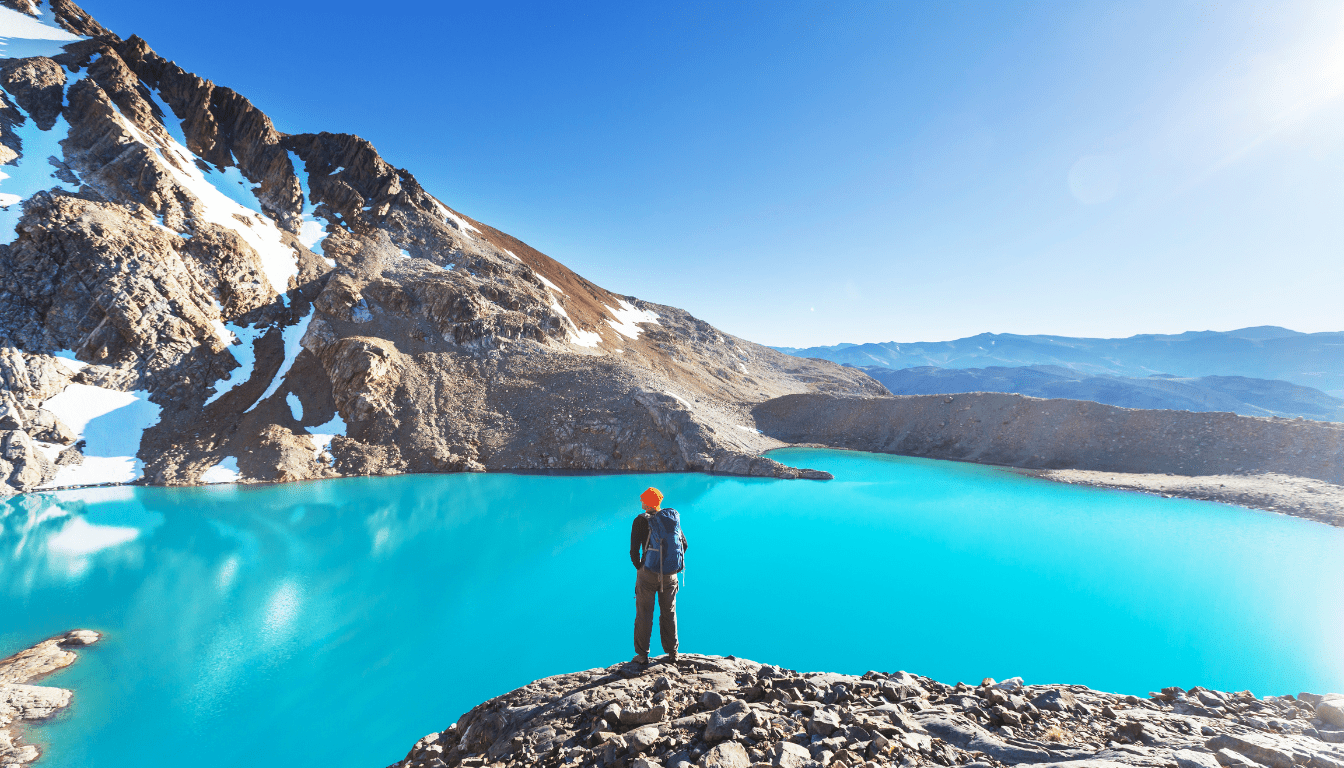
[(223, 296)]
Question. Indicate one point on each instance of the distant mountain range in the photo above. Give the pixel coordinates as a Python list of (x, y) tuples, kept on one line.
[(1265, 352), (1236, 394)]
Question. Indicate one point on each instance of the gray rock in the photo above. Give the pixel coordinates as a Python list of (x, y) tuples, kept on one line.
[(786, 754), (1186, 758), (1057, 700), (653, 714), (1261, 749), (823, 723), (969, 736), (1331, 710), (645, 762), (641, 739), (1231, 759), (723, 722), (711, 700), (729, 754)]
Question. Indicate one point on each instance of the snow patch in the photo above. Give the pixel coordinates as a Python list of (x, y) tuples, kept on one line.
[(321, 436), (111, 424), (67, 358), (243, 350), (31, 172), (455, 219), (577, 336), (22, 36), (292, 335), (628, 318), (549, 284), (225, 471), (312, 231), (747, 429), (295, 406), (278, 261), (511, 253), (677, 397), (404, 253)]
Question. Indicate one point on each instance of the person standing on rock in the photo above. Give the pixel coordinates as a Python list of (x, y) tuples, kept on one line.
[(658, 552)]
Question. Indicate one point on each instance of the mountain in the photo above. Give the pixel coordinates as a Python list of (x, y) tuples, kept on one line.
[(1235, 394), (1267, 352), (188, 295)]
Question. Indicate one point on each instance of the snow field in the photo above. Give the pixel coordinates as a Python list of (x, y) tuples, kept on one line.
[(225, 471), (111, 423), (243, 351), (22, 36)]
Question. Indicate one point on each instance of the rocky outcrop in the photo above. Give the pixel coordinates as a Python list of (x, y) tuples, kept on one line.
[(295, 305), (715, 712), (21, 702)]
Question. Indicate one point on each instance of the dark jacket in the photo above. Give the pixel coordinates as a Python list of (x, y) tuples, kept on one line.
[(639, 535)]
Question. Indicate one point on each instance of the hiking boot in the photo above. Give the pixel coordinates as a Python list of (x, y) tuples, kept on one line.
[(642, 658)]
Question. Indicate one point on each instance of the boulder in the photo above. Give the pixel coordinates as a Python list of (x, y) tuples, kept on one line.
[(1186, 758), (654, 714), (1231, 759), (1261, 749), (729, 754), (823, 723), (1057, 700), (723, 722), (786, 754), (1331, 710)]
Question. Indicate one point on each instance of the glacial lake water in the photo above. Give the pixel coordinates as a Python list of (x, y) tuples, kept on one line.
[(334, 623)]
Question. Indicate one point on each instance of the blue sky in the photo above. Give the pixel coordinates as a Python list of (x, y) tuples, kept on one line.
[(811, 173)]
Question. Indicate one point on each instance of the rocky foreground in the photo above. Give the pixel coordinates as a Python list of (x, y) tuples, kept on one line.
[(21, 702), (718, 712)]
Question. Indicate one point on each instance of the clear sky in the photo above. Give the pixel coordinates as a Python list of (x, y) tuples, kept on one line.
[(811, 173)]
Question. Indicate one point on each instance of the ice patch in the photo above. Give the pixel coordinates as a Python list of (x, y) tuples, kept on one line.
[(628, 318), (244, 352), (455, 219), (278, 261), (111, 424), (225, 471), (22, 36), (292, 335), (295, 406), (80, 537)]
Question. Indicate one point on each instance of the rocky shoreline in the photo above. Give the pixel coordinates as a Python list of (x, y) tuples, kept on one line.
[(22, 702), (1297, 496), (724, 712)]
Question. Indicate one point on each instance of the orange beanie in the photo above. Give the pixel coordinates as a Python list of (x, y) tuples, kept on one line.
[(652, 498)]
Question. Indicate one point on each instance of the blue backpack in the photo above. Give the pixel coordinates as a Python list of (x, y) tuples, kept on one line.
[(663, 552)]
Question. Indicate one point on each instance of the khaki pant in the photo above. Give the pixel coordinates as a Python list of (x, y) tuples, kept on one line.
[(648, 585)]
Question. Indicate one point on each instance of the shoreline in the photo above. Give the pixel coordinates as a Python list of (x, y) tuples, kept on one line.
[(1292, 495), (1301, 497), (21, 702)]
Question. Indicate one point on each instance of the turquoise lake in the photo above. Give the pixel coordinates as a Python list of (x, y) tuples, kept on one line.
[(337, 622)]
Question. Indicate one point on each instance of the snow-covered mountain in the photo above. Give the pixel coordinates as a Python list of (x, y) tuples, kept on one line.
[(188, 295)]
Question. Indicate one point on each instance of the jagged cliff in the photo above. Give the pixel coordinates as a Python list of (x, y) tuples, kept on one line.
[(188, 295)]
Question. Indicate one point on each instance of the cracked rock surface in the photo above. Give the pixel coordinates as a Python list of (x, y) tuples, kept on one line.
[(724, 712)]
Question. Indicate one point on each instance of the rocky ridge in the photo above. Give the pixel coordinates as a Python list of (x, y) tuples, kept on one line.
[(717, 712), (188, 295), (20, 701), (1294, 466)]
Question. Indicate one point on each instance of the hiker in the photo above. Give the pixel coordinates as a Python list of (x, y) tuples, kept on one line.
[(657, 532)]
